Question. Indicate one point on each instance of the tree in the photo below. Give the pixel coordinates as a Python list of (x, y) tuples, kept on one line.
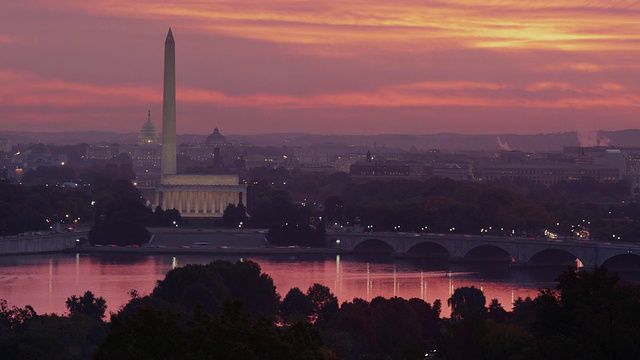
[(333, 209), (397, 327), (295, 306), (231, 334), (355, 325), (121, 214), (212, 284), (15, 318), (590, 315), (234, 215), (193, 284), (497, 312), (467, 301), (323, 303), (87, 304)]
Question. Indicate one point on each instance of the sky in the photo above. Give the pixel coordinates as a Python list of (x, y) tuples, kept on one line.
[(323, 67)]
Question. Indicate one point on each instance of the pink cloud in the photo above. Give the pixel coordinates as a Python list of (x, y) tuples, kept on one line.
[(330, 61)]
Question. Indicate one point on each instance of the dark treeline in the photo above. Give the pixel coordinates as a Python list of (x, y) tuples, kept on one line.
[(297, 207), (55, 198), (279, 198), (232, 311)]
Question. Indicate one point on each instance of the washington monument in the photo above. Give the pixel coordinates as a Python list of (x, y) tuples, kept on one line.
[(169, 108), (200, 196)]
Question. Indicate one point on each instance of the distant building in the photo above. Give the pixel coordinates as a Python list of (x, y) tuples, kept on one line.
[(215, 140), (102, 151), (451, 171), (4, 145), (37, 155), (545, 174), (146, 155), (200, 196), (380, 169), (148, 134)]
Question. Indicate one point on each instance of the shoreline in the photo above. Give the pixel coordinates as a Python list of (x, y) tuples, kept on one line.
[(206, 250)]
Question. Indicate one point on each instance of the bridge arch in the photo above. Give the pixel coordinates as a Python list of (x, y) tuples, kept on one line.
[(553, 257), (428, 249), (488, 252), (373, 246), (626, 261)]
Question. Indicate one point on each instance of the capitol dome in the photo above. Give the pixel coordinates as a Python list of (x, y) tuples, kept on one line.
[(216, 139), (148, 133)]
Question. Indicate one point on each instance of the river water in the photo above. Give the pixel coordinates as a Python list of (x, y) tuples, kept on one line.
[(46, 281)]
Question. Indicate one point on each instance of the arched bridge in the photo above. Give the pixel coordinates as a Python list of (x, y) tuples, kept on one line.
[(520, 250)]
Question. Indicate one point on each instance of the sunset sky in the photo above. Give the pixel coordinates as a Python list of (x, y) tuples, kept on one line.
[(330, 66)]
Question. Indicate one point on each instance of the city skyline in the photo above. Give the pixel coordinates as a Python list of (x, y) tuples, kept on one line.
[(330, 67)]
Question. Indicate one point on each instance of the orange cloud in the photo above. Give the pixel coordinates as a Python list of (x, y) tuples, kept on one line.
[(574, 66), (404, 95), (31, 90), (564, 24)]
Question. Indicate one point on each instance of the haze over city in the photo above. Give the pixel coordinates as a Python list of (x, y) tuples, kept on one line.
[(344, 67)]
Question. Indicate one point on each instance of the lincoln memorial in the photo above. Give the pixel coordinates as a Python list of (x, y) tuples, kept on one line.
[(200, 196)]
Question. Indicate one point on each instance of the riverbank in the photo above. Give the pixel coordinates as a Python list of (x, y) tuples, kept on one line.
[(196, 250), (207, 241), (40, 242)]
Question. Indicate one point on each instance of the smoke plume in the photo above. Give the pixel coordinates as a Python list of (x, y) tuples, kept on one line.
[(503, 145), (592, 138)]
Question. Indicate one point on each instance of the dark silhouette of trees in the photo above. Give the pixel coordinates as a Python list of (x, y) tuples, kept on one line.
[(591, 314), (88, 305), (165, 218), (234, 215), (317, 305), (334, 209), (588, 315), (467, 302), (211, 285), (496, 312), (230, 334), (121, 214), (439, 205), (394, 327), (27, 335), (323, 303), (15, 215), (295, 306), (49, 175)]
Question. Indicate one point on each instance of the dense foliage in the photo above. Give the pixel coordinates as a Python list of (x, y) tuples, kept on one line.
[(297, 207), (278, 198), (59, 197), (212, 312)]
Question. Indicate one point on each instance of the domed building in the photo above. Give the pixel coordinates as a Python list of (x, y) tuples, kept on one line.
[(146, 155), (215, 140), (148, 133)]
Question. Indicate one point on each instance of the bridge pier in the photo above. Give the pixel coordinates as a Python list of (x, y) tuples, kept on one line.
[(519, 264), (586, 265)]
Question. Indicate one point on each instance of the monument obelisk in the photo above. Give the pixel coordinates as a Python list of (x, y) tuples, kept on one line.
[(169, 107)]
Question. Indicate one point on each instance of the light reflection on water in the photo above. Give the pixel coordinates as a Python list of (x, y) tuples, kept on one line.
[(46, 281)]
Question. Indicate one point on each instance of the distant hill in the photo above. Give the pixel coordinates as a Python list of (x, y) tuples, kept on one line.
[(445, 141), (456, 142)]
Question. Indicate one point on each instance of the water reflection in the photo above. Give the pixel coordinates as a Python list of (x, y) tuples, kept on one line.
[(45, 281)]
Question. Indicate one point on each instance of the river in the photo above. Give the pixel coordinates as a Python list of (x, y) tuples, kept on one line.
[(45, 281)]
